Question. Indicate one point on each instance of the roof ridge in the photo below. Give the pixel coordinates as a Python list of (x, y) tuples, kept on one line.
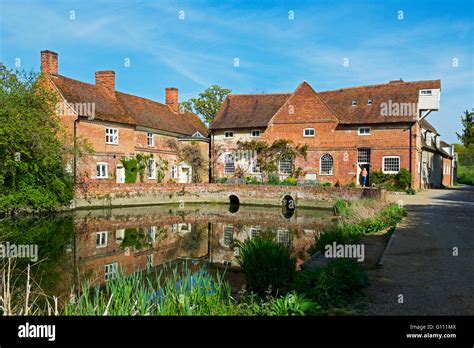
[(378, 85), (250, 94)]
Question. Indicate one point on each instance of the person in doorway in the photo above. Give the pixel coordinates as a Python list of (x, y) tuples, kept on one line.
[(364, 174)]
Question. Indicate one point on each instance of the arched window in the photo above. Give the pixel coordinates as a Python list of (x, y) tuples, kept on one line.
[(327, 165)]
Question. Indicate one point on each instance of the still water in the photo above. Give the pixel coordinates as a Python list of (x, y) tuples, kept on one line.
[(97, 243)]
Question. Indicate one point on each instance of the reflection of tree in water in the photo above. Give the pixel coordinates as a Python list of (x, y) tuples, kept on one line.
[(54, 237), (134, 237), (192, 241)]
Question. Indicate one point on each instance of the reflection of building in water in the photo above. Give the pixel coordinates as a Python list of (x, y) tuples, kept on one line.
[(133, 239), (224, 236), (102, 253)]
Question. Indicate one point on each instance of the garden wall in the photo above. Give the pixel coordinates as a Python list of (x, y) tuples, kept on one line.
[(104, 194)]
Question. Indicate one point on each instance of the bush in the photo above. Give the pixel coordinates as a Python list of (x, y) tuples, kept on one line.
[(273, 180), (131, 170), (341, 208), (289, 181), (292, 304), (268, 266), (325, 184), (410, 191), (335, 285), (403, 179), (251, 180)]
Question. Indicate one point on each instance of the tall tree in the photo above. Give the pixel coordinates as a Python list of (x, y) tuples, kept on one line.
[(207, 103), (34, 152), (467, 136)]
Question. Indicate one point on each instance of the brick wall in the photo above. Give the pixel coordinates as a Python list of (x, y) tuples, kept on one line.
[(111, 194)]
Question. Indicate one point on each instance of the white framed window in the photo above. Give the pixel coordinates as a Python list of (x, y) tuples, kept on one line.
[(149, 139), (426, 92), (102, 170), (111, 270), (151, 235), (363, 155), (174, 227), (174, 172), (326, 166), (364, 130), (101, 239), (254, 232), (228, 235), (255, 133), (151, 169), (255, 166), (354, 103), (111, 136), (149, 261), (391, 164), (283, 237), (369, 102), (229, 163), (285, 166), (309, 132), (229, 134)]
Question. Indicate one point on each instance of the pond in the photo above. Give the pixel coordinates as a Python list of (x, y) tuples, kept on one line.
[(97, 243)]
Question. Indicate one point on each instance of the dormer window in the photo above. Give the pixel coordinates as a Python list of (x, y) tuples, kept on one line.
[(426, 92), (197, 135), (354, 103), (369, 102), (228, 134)]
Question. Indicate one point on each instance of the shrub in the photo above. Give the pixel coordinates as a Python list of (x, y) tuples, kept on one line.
[(268, 266), (251, 180), (292, 304), (326, 184), (131, 169), (335, 285), (273, 180), (289, 181), (410, 191), (341, 208), (403, 179)]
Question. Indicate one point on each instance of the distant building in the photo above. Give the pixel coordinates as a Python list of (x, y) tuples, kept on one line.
[(378, 127), (120, 125)]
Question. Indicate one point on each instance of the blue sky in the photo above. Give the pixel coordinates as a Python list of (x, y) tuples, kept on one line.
[(274, 52)]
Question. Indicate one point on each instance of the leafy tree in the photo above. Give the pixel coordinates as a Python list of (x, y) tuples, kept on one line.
[(34, 148), (207, 104), (467, 136), (192, 155)]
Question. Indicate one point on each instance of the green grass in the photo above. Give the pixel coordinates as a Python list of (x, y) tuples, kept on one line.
[(335, 285), (347, 233)]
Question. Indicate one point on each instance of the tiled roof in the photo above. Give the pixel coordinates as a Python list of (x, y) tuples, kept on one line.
[(252, 110), (128, 109), (248, 110), (426, 125)]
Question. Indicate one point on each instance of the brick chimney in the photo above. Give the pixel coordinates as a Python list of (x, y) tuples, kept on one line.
[(106, 81), (172, 98), (49, 62)]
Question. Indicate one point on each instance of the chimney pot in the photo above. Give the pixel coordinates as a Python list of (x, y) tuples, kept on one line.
[(49, 62), (172, 98), (105, 80)]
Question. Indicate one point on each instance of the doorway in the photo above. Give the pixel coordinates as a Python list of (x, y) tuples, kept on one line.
[(363, 162), (184, 173), (120, 174)]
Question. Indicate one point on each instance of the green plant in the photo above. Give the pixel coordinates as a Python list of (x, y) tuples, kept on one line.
[(131, 169), (403, 179), (335, 285), (289, 181), (292, 304), (268, 266), (273, 180), (410, 191), (325, 184), (251, 180), (342, 208)]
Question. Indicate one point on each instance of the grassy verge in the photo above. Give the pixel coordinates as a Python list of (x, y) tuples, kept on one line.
[(345, 232)]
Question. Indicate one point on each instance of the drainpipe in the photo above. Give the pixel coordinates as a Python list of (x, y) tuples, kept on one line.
[(76, 121), (411, 149), (210, 154)]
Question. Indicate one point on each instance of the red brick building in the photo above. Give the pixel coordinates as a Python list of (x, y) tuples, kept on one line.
[(120, 125), (378, 127)]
